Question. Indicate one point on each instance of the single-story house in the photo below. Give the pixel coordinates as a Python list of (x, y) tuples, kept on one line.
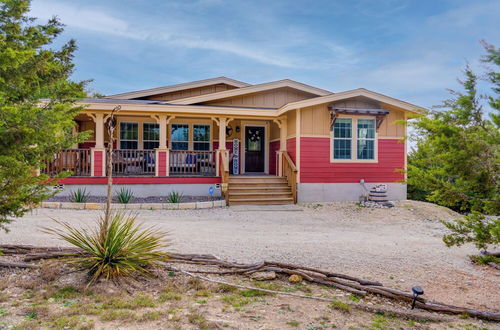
[(276, 142)]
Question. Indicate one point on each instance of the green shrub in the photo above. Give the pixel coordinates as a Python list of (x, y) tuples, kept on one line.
[(474, 228), (79, 196), (174, 197), (124, 196), (114, 249)]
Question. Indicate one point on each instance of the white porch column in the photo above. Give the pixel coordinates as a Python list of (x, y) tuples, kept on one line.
[(99, 130), (222, 122), (282, 124)]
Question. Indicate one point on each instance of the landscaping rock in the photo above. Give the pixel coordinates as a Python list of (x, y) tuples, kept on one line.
[(263, 276), (295, 278)]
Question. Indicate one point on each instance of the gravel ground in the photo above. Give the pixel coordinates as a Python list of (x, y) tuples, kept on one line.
[(400, 246)]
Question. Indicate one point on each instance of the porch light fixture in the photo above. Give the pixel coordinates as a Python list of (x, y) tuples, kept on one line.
[(237, 129), (417, 291)]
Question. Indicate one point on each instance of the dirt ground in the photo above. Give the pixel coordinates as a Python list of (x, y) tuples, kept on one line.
[(400, 247), (55, 296)]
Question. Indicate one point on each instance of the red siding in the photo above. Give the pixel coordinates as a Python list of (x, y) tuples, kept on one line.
[(315, 164), (98, 162), (162, 163), (273, 148), (290, 148), (140, 180)]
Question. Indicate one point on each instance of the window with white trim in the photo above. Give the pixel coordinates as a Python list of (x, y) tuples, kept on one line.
[(150, 136), (342, 138), (354, 139), (129, 135), (201, 137), (180, 137), (366, 139)]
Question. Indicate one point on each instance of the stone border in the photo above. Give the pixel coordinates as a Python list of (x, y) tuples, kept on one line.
[(134, 206)]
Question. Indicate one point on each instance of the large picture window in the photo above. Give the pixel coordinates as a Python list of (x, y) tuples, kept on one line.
[(180, 137), (354, 139), (150, 136), (129, 135), (201, 137)]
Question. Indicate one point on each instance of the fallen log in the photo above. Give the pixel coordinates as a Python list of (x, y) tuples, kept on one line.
[(412, 315), (341, 281), (49, 255), (8, 264)]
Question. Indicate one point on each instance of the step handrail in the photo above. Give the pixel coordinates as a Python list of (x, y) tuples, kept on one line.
[(224, 173), (290, 172)]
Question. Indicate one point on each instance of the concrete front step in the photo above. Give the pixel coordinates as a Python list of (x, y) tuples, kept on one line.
[(262, 195), (260, 201), (259, 189)]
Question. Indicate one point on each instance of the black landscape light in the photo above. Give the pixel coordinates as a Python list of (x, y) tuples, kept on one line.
[(417, 291)]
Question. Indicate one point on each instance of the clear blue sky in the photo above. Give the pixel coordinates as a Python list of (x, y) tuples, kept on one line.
[(411, 50)]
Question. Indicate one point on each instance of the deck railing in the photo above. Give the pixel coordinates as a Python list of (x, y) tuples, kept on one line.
[(194, 163), (290, 172), (132, 162), (76, 161)]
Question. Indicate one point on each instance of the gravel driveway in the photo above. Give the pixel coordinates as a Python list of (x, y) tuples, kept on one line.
[(400, 247)]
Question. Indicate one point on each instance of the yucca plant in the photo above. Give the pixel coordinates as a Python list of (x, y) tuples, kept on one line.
[(79, 196), (174, 197), (114, 249), (124, 196)]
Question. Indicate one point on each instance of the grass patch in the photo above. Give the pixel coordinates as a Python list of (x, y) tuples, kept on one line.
[(252, 293), (224, 288), (150, 316), (236, 300), (138, 301), (198, 320), (122, 315), (169, 296), (196, 284), (202, 293), (341, 306), (293, 323), (354, 298), (67, 292), (379, 322)]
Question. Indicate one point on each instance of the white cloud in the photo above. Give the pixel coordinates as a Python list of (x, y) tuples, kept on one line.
[(181, 34)]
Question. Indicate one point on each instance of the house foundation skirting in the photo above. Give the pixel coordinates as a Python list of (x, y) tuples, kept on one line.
[(338, 192), (144, 190)]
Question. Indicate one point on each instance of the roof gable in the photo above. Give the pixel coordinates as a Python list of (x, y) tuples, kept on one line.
[(148, 93), (360, 92), (254, 89)]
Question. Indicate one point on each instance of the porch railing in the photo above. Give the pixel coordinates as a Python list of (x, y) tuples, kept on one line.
[(192, 163), (131, 162), (76, 161)]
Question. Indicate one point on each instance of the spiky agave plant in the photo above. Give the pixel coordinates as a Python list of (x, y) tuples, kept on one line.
[(114, 249)]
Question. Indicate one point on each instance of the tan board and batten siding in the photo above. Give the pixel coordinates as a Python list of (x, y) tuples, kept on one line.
[(315, 120), (270, 99), (191, 92)]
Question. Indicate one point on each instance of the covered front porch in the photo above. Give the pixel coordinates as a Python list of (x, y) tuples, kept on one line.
[(175, 146)]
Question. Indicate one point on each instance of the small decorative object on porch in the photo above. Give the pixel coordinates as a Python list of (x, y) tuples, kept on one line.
[(236, 156)]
